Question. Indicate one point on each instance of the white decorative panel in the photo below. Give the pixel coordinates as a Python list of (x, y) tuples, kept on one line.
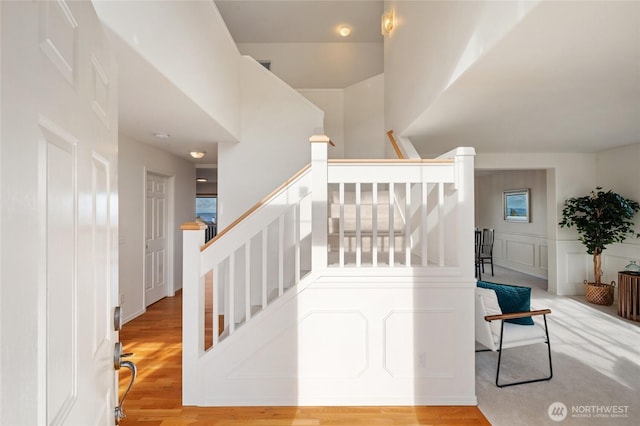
[(519, 252), (101, 249), (149, 268), (160, 215), (544, 257), (149, 225), (159, 267), (58, 36), (419, 343), (576, 268), (345, 355), (61, 277), (100, 94), (306, 352)]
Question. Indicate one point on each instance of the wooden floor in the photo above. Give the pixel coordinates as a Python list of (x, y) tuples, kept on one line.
[(155, 339)]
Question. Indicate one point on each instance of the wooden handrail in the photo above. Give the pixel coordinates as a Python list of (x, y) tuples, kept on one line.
[(321, 139), (193, 226), (394, 143), (259, 204), (391, 161)]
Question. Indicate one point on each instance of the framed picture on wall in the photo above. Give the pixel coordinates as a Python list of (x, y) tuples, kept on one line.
[(516, 205)]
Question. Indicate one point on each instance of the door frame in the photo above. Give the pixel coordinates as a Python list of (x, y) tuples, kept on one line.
[(170, 224)]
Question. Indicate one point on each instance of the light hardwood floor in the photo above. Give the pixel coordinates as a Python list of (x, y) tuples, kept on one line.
[(155, 339)]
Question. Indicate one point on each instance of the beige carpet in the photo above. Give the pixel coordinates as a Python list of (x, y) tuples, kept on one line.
[(596, 366)]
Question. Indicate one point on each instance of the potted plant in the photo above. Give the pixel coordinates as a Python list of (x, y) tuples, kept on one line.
[(601, 218)]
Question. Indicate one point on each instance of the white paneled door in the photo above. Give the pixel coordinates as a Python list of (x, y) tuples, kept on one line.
[(59, 216), (156, 230)]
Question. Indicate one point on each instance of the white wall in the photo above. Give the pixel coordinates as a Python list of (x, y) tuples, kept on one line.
[(135, 159), (319, 65), (276, 123), (364, 130), (432, 45), (190, 44), (331, 101), (518, 246)]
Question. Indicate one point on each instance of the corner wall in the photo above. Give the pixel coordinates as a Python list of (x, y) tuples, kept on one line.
[(354, 118), (364, 131), (276, 123), (135, 159)]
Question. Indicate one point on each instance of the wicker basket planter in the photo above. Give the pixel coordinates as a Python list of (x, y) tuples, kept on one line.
[(600, 294)]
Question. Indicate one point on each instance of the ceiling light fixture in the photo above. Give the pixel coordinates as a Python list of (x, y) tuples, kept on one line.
[(388, 22), (201, 180), (344, 30), (197, 154), (161, 135)]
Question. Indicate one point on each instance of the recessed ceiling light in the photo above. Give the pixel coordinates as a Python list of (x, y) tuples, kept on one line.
[(161, 135), (344, 30), (197, 154), (201, 180)]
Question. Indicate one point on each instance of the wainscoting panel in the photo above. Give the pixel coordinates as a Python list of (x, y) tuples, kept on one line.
[(524, 253), (422, 358), (351, 340), (575, 265)]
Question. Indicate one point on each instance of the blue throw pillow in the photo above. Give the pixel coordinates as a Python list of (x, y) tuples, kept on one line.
[(511, 299)]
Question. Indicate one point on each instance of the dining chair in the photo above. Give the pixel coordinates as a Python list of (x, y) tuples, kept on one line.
[(486, 251)]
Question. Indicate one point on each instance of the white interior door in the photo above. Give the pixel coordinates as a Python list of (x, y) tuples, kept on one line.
[(156, 233), (59, 226)]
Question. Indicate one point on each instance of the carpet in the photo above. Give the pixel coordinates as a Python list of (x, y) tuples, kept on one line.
[(596, 367)]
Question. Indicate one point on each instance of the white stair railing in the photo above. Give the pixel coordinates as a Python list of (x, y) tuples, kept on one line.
[(332, 214), (401, 213)]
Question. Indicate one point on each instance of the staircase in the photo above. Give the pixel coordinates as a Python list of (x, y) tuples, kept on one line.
[(351, 284)]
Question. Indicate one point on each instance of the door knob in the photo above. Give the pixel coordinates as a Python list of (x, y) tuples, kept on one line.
[(117, 364)]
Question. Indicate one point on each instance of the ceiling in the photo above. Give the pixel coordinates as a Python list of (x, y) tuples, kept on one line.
[(566, 79), (559, 81), (301, 21)]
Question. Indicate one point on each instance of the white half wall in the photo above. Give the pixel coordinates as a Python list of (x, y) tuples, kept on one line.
[(276, 123), (350, 340), (135, 160)]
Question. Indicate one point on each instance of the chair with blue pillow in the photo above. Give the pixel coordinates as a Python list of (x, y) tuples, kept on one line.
[(504, 320)]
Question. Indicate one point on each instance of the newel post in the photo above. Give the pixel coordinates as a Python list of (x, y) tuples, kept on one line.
[(319, 194), (193, 311), (464, 181)]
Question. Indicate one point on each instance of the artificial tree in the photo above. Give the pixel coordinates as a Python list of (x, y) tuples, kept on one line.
[(601, 218)]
